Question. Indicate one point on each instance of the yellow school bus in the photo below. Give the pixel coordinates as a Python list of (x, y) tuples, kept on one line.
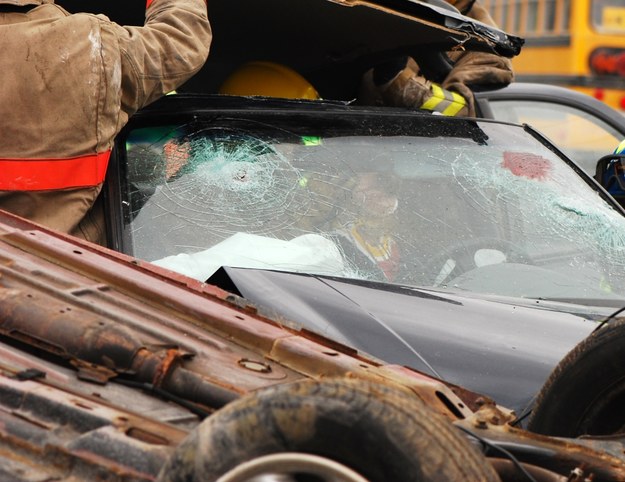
[(574, 43)]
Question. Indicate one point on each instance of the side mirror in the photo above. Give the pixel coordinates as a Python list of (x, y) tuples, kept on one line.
[(610, 174)]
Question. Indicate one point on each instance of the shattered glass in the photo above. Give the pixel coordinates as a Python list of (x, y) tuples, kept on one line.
[(493, 211)]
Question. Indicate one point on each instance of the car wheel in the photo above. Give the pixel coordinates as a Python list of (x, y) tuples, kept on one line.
[(585, 393), (343, 430)]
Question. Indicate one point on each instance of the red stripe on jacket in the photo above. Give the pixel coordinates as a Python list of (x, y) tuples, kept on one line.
[(47, 174)]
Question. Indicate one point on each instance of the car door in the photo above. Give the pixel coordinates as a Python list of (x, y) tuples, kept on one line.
[(584, 128)]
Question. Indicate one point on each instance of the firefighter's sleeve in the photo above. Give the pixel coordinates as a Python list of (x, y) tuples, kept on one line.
[(161, 55), (474, 71)]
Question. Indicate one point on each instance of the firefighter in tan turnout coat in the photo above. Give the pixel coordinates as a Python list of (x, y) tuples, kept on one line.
[(401, 83), (69, 84)]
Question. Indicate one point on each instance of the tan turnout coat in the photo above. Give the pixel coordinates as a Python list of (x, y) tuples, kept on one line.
[(69, 84)]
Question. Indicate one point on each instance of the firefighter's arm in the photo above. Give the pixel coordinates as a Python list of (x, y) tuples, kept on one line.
[(409, 83), (400, 83), (476, 70), (165, 52)]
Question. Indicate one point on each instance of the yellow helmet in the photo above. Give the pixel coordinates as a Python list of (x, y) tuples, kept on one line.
[(268, 79)]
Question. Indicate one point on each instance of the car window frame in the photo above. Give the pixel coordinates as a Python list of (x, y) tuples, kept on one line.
[(524, 92)]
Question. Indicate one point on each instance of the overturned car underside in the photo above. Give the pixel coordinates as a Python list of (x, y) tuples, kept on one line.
[(111, 369)]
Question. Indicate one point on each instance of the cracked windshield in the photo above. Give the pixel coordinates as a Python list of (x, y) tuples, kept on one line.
[(485, 209)]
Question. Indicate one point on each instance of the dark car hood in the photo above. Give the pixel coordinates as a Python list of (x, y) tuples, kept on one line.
[(496, 347)]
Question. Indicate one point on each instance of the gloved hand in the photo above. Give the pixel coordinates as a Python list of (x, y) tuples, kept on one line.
[(400, 83)]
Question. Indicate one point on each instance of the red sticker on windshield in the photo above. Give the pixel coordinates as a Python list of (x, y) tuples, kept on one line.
[(524, 164)]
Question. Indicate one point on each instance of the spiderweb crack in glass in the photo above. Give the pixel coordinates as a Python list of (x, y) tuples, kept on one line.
[(228, 186), (454, 199), (575, 220)]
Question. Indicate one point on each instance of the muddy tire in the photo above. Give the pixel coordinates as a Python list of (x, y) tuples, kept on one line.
[(377, 432), (585, 393)]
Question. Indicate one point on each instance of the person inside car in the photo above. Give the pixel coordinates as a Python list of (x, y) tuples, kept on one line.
[(70, 83), (365, 230), (439, 83), (356, 207), (357, 212)]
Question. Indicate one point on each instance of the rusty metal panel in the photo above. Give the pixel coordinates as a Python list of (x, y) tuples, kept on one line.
[(578, 460), (109, 316), (106, 363)]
